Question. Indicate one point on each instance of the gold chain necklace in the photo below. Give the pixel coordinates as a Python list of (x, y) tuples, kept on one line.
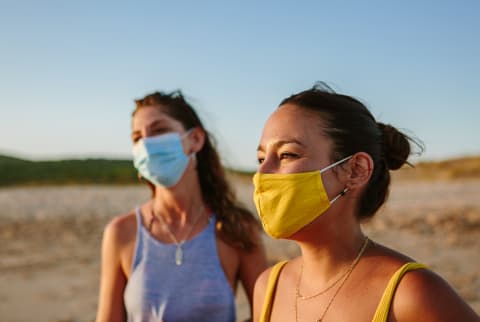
[(342, 278), (179, 244)]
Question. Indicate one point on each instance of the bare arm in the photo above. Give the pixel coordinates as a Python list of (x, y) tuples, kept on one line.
[(425, 296), (112, 278), (252, 264), (259, 294)]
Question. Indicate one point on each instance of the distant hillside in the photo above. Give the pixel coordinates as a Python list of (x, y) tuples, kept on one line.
[(15, 171), (451, 169)]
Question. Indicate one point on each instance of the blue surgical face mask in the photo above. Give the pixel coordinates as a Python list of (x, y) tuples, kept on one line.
[(160, 159)]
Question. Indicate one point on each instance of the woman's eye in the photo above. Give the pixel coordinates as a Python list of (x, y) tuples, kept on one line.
[(160, 130), (287, 155), (260, 160)]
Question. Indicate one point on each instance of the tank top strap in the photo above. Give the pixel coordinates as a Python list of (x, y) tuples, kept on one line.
[(160, 290), (383, 307), (138, 216), (139, 242), (270, 292)]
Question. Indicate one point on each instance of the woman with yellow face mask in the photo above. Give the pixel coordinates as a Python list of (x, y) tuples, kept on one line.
[(324, 167)]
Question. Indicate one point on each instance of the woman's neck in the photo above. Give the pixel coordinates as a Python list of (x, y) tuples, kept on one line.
[(329, 246), (178, 203)]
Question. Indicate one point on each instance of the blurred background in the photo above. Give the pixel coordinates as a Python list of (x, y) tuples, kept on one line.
[(70, 71)]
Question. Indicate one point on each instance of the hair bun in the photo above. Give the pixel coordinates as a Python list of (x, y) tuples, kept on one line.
[(396, 146)]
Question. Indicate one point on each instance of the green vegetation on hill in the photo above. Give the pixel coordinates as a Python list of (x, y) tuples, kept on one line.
[(14, 171)]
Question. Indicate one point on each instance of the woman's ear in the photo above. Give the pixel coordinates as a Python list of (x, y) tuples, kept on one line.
[(360, 169), (197, 140)]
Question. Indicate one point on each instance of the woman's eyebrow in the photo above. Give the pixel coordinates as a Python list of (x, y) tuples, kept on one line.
[(153, 124), (279, 143)]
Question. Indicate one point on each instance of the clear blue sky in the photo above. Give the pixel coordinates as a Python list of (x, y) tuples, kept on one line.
[(69, 70)]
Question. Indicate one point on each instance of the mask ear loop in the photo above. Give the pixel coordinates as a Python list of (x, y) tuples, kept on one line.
[(344, 191), (187, 133), (335, 164), (192, 155), (341, 194)]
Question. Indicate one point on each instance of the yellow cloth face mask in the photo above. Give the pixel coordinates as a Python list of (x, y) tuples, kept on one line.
[(288, 202)]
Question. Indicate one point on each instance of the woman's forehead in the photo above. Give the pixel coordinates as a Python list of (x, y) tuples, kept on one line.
[(293, 122), (152, 115), (293, 127)]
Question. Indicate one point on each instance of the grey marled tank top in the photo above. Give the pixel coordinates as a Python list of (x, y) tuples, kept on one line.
[(159, 290)]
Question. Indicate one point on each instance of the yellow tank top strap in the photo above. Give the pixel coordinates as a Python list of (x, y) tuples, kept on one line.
[(270, 293), (383, 308)]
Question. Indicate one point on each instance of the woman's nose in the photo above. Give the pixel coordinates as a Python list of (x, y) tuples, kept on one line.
[(146, 132), (267, 166)]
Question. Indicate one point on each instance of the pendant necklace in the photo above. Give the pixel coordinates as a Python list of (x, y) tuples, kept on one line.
[(179, 244)]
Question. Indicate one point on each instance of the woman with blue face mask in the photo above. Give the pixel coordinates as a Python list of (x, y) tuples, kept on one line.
[(180, 255), (324, 165)]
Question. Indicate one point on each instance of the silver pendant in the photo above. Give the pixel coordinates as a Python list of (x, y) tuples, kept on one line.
[(179, 255)]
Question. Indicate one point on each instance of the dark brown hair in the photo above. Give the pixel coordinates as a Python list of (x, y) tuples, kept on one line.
[(233, 221), (352, 128)]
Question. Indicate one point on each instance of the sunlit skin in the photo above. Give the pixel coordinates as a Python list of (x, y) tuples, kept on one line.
[(293, 140), (285, 147), (178, 205)]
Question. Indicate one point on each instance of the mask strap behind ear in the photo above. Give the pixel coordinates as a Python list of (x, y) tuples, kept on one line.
[(341, 194), (187, 133), (335, 164), (192, 155)]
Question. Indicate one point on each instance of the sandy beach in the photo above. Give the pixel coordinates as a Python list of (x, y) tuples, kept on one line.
[(50, 241)]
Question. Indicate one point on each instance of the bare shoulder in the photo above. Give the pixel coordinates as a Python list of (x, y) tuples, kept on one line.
[(286, 274), (121, 229), (262, 280), (380, 263), (118, 240), (259, 293), (424, 295), (421, 295)]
